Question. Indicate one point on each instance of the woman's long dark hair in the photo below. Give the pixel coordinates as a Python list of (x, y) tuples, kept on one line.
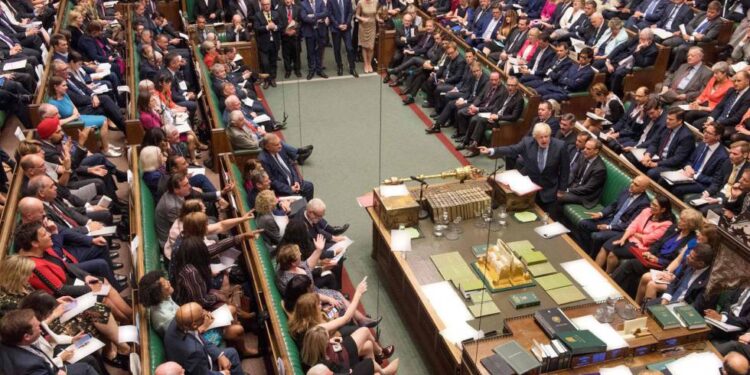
[(193, 251), (666, 204), (296, 234)]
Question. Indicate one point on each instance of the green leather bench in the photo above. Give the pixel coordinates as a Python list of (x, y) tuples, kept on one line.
[(269, 273), (616, 180)]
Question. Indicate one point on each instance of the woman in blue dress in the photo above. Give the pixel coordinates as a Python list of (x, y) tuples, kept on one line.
[(68, 112)]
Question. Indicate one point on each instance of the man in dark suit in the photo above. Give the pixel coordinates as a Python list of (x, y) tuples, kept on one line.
[(677, 13), (577, 78), (284, 177), (515, 40), (313, 14), (576, 153), (730, 173), (243, 8), (704, 165), (671, 149), (735, 312), (483, 103), (185, 345), (654, 119), (703, 28), (686, 84), (449, 74), (340, 21), (613, 219), (588, 178), (466, 92), (406, 37), (689, 287), (580, 27), (545, 113), (210, 9), (566, 132), (643, 51), (647, 13), (21, 353), (546, 161), (631, 124), (737, 202), (487, 34), (289, 23), (542, 59), (732, 107), (446, 92), (181, 93), (266, 24), (558, 65), (478, 21), (509, 109)]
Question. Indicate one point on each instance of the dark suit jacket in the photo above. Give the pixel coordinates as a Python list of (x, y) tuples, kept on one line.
[(453, 69), (645, 57), (656, 14), (743, 319), (191, 354), (466, 87), (478, 21), (279, 182), (545, 59), (553, 178), (14, 360), (596, 34), (683, 16), (683, 144), (311, 16), (628, 125), (337, 16), (284, 21), (553, 122), (569, 139), (234, 8), (513, 106), (488, 99), (711, 167), (588, 183), (710, 33), (727, 114), (722, 177), (582, 28), (515, 40), (242, 35), (409, 42), (206, 9), (264, 36), (89, 48), (576, 79), (694, 294), (630, 213)]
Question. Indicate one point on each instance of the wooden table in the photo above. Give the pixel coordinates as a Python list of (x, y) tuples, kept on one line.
[(404, 274)]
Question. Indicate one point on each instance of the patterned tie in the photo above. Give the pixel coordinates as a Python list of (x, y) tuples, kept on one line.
[(540, 159), (618, 215)]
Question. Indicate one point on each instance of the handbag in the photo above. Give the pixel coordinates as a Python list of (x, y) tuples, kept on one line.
[(338, 360)]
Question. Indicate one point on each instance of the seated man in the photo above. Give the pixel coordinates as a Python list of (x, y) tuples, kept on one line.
[(185, 345), (577, 78), (566, 133), (546, 161), (460, 97), (557, 66), (613, 219), (427, 39), (632, 123), (703, 28), (647, 13), (406, 39), (737, 202), (731, 108), (169, 205), (446, 92), (587, 178), (735, 312), (284, 177), (655, 118), (690, 285), (576, 152), (484, 102), (704, 165), (687, 82), (509, 109), (242, 134), (729, 174), (670, 150), (233, 103), (643, 51)]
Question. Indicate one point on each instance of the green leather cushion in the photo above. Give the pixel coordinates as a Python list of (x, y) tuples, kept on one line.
[(613, 185)]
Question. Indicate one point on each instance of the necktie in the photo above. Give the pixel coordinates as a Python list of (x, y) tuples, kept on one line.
[(488, 97), (685, 80), (75, 88), (736, 308), (699, 161), (670, 19), (664, 148), (651, 7), (341, 5), (541, 159), (728, 110), (702, 27), (505, 104), (538, 59), (474, 89), (69, 220), (574, 159), (243, 8), (7, 40), (683, 287), (289, 15), (284, 168), (583, 172), (730, 181), (618, 215), (41, 353)]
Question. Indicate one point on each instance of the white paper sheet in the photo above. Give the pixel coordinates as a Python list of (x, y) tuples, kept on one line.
[(192, 171), (551, 230), (460, 331), (82, 303), (248, 102), (106, 231), (739, 66), (15, 65), (261, 119), (656, 277), (704, 363), (183, 128), (517, 182), (281, 222), (127, 334), (89, 348), (638, 153), (222, 317), (387, 191), (675, 177), (603, 331), (618, 370), (19, 134), (447, 303), (661, 33), (722, 326), (593, 282)]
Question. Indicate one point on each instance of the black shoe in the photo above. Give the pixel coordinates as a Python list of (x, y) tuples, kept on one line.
[(310, 75), (372, 323), (457, 136), (117, 266), (461, 147), (114, 254), (391, 71), (120, 361), (408, 100), (302, 156), (339, 230), (434, 115), (273, 82), (307, 148), (353, 72), (427, 104), (298, 74), (432, 130), (265, 84), (114, 246), (471, 154), (322, 75), (121, 176), (340, 71), (287, 74)]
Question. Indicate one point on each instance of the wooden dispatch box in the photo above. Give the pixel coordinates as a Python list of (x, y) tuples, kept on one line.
[(512, 201), (396, 211)]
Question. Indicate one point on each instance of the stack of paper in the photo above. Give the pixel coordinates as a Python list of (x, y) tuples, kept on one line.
[(676, 177), (456, 332), (661, 33), (517, 182), (340, 246), (603, 331), (593, 282), (551, 230), (451, 310), (222, 317), (638, 153), (704, 363), (553, 281), (484, 309)]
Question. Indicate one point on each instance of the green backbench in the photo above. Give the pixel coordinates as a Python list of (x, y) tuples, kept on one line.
[(617, 180)]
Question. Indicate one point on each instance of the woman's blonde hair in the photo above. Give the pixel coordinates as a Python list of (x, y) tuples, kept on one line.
[(15, 272), (306, 314), (288, 254), (190, 206), (692, 218), (314, 345), (151, 158), (195, 224), (28, 147), (265, 202)]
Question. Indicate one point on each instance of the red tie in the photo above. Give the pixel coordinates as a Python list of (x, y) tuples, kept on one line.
[(288, 15), (72, 223)]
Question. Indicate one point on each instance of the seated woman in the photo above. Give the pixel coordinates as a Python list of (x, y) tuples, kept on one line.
[(48, 311), (649, 288), (660, 253), (163, 87), (458, 18), (296, 234), (265, 204), (156, 295), (712, 94), (15, 272), (198, 227), (210, 53), (53, 274), (311, 330), (291, 264), (298, 286), (58, 90), (152, 165), (644, 230), (608, 105), (149, 110)]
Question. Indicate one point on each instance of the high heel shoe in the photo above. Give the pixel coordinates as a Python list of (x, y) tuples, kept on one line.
[(385, 353), (372, 323)]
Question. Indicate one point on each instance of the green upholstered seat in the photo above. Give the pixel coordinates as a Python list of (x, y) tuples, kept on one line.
[(617, 180), (189, 10)]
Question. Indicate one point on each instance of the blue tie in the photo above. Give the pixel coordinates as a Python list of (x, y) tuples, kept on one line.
[(699, 162), (684, 285), (702, 26), (651, 7), (618, 215)]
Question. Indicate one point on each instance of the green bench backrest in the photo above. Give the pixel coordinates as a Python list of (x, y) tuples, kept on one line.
[(269, 272), (136, 73), (212, 97), (190, 11), (616, 181)]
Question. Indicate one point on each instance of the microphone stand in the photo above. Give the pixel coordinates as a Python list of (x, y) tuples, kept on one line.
[(423, 214)]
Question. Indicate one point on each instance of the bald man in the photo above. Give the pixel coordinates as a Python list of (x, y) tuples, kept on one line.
[(197, 356), (169, 368), (735, 364)]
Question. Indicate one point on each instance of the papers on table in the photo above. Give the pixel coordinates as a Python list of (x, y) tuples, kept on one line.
[(657, 277), (525, 216), (193, 171), (517, 182), (603, 331), (105, 231), (222, 317), (78, 306), (127, 334), (704, 363), (15, 65), (676, 177), (457, 332), (661, 33), (617, 370), (638, 153), (341, 245), (183, 128), (87, 349), (366, 200), (721, 325), (578, 44), (551, 230), (450, 308), (739, 66), (593, 282), (281, 222), (19, 134), (400, 240), (387, 191)]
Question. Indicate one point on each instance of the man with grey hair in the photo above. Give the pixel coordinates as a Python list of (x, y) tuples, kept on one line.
[(285, 178), (546, 161), (643, 51), (170, 368), (242, 134), (687, 82)]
